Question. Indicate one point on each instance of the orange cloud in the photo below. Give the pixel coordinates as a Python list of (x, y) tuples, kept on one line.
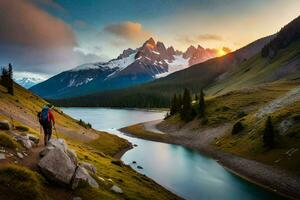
[(129, 31), (33, 40), (187, 39), (22, 23)]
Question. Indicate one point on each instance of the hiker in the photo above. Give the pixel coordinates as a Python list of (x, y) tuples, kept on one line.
[(46, 120)]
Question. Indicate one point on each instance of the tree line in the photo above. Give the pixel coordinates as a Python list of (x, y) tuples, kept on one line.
[(6, 79), (182, 104)]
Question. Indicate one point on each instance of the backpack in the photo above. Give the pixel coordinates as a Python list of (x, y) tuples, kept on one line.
[(44, 117)]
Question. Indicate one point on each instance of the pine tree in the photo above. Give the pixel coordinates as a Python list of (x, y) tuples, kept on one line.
[(201, 105), (10, 82), (186, 106), (179, 103), (173, 109), (268, 137), (196, 97)]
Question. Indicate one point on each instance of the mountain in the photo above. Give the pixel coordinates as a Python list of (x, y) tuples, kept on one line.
[(248, 66), (157, 93), (27, 79), (133, 66)]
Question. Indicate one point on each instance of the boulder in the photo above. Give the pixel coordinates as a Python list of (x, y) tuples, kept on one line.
[(91, 168), (116, 189), (46, 150), (73, 156), (5, 125), (81, 174), (59, 143), (57, 166)]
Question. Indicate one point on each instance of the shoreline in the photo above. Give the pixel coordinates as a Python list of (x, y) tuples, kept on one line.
[(225, 160), (122, 152)]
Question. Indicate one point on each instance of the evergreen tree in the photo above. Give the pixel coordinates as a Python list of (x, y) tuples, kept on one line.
[(196, 97), (179, 103), (10, 84), (186, 106), (173, 109), (268, 137), (201, 105)]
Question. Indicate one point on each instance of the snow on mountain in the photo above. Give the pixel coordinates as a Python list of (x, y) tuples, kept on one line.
[(133, 66), (86, 66), (28, 79), (179, 63)]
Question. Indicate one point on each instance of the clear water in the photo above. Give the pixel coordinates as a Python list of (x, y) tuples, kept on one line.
[(183, 171)]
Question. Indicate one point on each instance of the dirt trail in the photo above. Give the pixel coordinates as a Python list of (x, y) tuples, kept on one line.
[(54, 191), (152, 126)]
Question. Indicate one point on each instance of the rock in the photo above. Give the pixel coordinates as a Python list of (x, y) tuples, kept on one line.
[(81, 174), (135, 145), (101, 179), (33, 138), (134, 162), (116, 189), (59, 143), (20, 155), (46, 150), (76, 198), (91, 168), (2, 156), (2, 151), (5, 125), (140, 167), (24, 141), (73, 156), (57, 166)]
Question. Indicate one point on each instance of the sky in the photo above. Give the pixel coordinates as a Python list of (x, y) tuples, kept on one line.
[(51, 36)]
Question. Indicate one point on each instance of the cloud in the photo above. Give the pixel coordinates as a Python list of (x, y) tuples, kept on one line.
[(128, 31), (187, 39), (49, 4), (226, 50), (205, 37), (33, 40)]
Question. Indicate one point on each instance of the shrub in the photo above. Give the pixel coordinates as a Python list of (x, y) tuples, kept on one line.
[(237, 128), (7, 141), (18, 182), (84, 124)]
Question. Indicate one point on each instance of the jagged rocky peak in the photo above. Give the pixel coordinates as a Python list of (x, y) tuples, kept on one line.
[(126, 53), (189, 52), (171, 50), (150, 43), (200, 48)]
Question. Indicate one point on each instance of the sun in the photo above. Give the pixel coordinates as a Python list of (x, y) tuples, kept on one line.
[(223, 51)]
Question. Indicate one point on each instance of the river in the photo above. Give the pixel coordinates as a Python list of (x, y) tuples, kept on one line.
[(183, 171)]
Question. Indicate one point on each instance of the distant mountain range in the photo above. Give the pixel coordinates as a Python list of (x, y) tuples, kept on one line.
[(134, 66), (27, 79), (269, 59)]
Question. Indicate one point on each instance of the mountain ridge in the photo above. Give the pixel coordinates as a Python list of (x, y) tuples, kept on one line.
[(133, 66)]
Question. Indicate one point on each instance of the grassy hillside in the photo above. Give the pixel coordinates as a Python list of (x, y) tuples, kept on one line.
[(251, 106), (90, 145), (258, 70)]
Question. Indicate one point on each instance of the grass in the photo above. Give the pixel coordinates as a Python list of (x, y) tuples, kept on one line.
[(23, 108), (18, 182), (108, 144), (7, 141)]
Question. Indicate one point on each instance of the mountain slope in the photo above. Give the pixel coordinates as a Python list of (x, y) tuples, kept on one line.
[(152, 60), (95, 147), (157, 93)]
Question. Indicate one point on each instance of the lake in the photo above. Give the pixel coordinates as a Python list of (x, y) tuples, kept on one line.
[(183, 171)]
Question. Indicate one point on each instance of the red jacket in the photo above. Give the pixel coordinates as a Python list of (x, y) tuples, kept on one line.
[(51, 117)]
